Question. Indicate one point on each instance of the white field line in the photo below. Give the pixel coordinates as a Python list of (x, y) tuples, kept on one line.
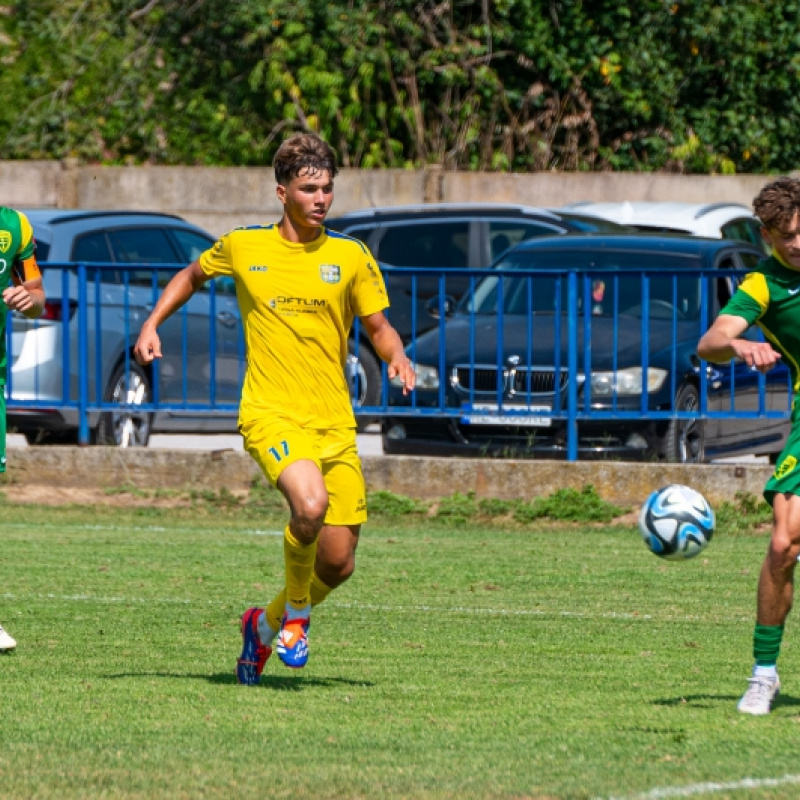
[(709, 788), (387, 609)]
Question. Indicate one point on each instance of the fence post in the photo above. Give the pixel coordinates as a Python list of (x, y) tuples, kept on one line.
[(83, 358), (572, 368)]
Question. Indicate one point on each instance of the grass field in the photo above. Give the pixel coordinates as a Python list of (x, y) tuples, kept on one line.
[(478, 652)]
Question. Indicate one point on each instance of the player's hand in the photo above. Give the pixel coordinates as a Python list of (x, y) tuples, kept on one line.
[(401, 368), (18, 298), (147, 348), (759, 356)]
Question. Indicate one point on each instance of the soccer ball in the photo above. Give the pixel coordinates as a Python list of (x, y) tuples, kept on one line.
[(676, 522)]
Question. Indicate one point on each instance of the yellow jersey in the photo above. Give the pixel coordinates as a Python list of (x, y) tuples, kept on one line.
[(298, 303)]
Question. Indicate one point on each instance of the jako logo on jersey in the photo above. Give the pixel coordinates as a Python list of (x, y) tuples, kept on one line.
[(5, 241), (308, 302), (330, 273), (258, 268)]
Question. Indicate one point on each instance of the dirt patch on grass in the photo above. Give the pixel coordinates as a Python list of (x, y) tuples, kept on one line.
[(93, 496)]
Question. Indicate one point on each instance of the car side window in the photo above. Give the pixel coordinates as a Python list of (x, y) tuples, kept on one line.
[(92, 249), (429, 244), (191, 244), (504, 234), (745, 229), (142, 246)]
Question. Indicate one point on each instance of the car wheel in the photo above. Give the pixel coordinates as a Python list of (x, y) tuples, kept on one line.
[(684, 442), (129, 385), (363, 372)]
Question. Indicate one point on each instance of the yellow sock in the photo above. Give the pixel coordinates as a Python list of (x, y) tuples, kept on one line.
[(319, 591), (299, 559)]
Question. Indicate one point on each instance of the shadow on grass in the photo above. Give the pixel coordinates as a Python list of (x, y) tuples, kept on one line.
[(288, 683), (709, 700)]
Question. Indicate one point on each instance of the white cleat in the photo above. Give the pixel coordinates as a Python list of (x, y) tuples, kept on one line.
[(6, 642), (757, 700)]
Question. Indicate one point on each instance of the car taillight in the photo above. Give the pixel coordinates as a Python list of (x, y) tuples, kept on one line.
[(54, 310)]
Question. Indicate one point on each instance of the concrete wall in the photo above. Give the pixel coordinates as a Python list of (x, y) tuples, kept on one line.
[(220, 198), (625, 484)]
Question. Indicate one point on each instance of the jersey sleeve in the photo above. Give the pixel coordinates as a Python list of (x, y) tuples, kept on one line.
[(27, 244), (218, 259), (750, 300), (369, 290)]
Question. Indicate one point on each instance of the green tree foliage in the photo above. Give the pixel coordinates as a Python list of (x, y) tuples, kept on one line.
[(684, 85)]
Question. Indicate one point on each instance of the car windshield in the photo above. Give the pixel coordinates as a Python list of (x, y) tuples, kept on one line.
[(611, 283)]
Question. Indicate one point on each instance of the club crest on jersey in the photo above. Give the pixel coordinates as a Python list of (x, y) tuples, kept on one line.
[(330, 273), (5, 241)]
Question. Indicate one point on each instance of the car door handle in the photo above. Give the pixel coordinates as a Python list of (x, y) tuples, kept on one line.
[(227, 319)]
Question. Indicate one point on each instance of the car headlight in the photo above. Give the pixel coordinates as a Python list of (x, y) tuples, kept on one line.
[(627, 381), (427, 378)]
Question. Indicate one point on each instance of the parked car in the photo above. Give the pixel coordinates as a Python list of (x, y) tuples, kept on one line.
[(449, 236), (504, 375), (713, 220), (44, 369)]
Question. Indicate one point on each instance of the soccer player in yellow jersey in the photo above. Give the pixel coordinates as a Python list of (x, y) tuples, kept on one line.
[(299, 288), (20, 290)]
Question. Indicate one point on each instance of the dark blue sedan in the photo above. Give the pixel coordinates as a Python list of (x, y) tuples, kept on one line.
[(594, 335)]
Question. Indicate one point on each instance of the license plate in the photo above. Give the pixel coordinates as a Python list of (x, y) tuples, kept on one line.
[(509, 415)]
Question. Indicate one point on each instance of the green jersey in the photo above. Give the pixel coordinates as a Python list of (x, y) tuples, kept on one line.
[(16, 247), (770, 298)]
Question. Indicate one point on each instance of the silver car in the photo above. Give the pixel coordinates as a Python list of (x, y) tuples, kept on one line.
[(203, 352)]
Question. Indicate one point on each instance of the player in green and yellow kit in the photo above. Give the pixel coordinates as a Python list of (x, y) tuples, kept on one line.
[(21, 290), (770, 298), (299, 288)]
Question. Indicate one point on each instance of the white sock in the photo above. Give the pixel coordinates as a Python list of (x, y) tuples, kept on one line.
[(265, 633), (765, 672)]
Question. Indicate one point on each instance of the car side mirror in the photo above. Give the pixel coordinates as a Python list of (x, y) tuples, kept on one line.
[(441, 303)]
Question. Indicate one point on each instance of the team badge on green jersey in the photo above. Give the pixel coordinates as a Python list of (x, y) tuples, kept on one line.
[(5, 241), (330, 273)]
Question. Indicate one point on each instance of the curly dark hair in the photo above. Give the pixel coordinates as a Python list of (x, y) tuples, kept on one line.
[(777, 203), (303, 151)]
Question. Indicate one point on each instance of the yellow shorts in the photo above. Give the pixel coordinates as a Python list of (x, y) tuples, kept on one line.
[(275, 444)]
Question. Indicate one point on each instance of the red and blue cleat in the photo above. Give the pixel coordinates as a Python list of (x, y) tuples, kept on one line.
[(254, 652), (292, 645)]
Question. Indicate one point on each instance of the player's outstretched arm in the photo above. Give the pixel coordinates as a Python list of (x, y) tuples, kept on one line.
[(722, 342), (175, 294), (389, 346)]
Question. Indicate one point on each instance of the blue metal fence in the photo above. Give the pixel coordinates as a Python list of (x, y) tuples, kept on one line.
[(510, 330)]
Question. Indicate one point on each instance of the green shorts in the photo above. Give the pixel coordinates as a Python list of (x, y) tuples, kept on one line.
[(786, 478)]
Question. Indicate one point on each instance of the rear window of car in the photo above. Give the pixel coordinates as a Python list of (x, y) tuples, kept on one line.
[(429, 244)]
